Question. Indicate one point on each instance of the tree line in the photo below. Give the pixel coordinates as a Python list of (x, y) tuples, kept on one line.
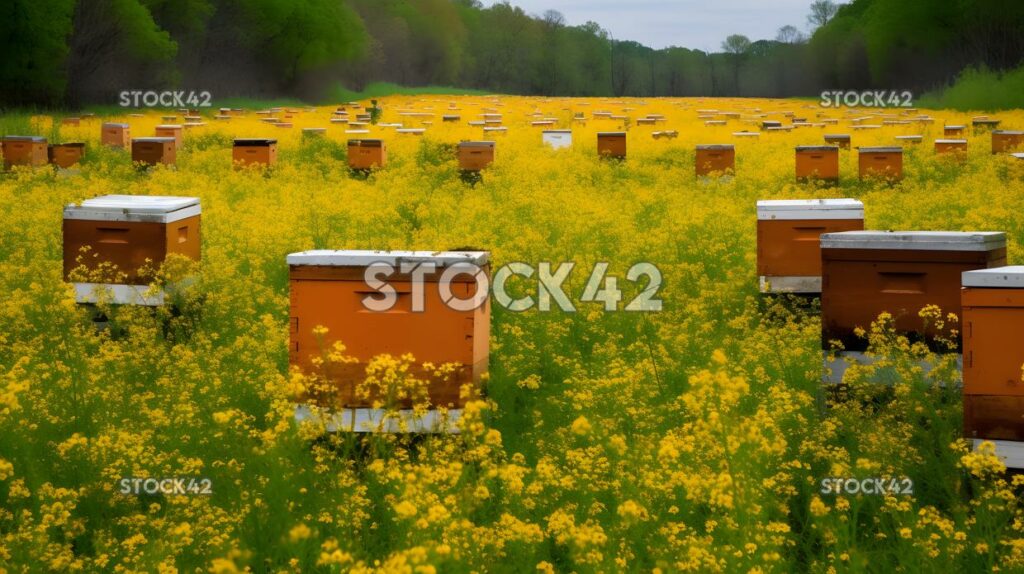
[(76, 52)]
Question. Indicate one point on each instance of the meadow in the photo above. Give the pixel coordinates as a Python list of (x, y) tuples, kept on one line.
[(688, 440)]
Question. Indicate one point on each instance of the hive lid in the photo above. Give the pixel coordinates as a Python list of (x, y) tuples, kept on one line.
[(365, 257), (68, 144), (169, 127), (611, 134), (254, 142), (154, 140), (786, 209), (817, 148), (36, 139), (476, 144), (557, 132), (1010, 277), (1018, 155), (916, 240), (114, 125), (143, 208), (837, 137), (948, 141), (715, 146), (953, 127), (1008, 133), (365, 142), (880, 149)]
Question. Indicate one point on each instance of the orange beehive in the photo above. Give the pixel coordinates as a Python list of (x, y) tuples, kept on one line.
[(884, 162), (475, 156), (958, 146), (367, 153), (993, 308), (66, 154), (611, 145), (717, 158), (443, 319), (982, 125), (248, 152), (788, 255), (24, 150), (841, 140), (557, 139), (151, 151), (129, 232), (867, 272), (953, 131), (171, 131), (817, 162), (116, 135), (1005, 141)]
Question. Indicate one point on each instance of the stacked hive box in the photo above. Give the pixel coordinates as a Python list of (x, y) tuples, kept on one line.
[(128, 232), (171, 131), (717, 158), (788, 231), (116, 135), (1004, 141), (993, 307), (24, 150), (366, 154), (611, 145), (152, 151), (817, 162), (865, 273), (884, 162), (66, 155), (951, 146), (246, 152), (475, 156), (330, 289), (557, 139)]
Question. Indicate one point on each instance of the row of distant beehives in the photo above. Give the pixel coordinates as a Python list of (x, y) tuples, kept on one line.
[(820, 247), (811, 161)]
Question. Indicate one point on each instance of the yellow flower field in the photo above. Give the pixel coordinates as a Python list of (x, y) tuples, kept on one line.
[(687, 440)]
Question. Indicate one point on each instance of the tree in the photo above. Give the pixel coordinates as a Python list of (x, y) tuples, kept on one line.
[(789, 35), (736, 46), (822, 11)]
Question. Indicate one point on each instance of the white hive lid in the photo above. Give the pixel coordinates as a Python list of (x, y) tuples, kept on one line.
[(916, 240), (145, 208), (365, 257), (785, 209), (1011, 277)]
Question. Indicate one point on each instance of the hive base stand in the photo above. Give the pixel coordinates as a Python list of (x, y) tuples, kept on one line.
[(835, 368), (1011, 452), (119, 294), (365, 420), (796, 284)]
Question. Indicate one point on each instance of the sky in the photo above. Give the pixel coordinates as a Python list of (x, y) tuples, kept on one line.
[(696, 24)]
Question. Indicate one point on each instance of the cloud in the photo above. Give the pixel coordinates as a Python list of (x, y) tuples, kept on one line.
[(699, 24)]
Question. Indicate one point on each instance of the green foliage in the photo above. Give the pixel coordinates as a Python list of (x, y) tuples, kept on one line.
[(34, 36), (980, 89)]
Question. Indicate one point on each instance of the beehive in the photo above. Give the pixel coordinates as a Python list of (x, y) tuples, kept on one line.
[(116, 135), (475, 155), (329, 289), (884, 162), (557, 139), (66, 155), (367, 153), (982, 125), (715, 158), (867, 272), (841, 140), (611, 145), (953, 131), (788, 230), (993, 323), (24, 150), (171, 131), (951, 146), (151, 151), (817, 162), (246, 152), (128, 232), (1005, 141)]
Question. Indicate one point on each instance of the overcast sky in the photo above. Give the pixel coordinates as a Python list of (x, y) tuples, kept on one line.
[(699, 24)]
